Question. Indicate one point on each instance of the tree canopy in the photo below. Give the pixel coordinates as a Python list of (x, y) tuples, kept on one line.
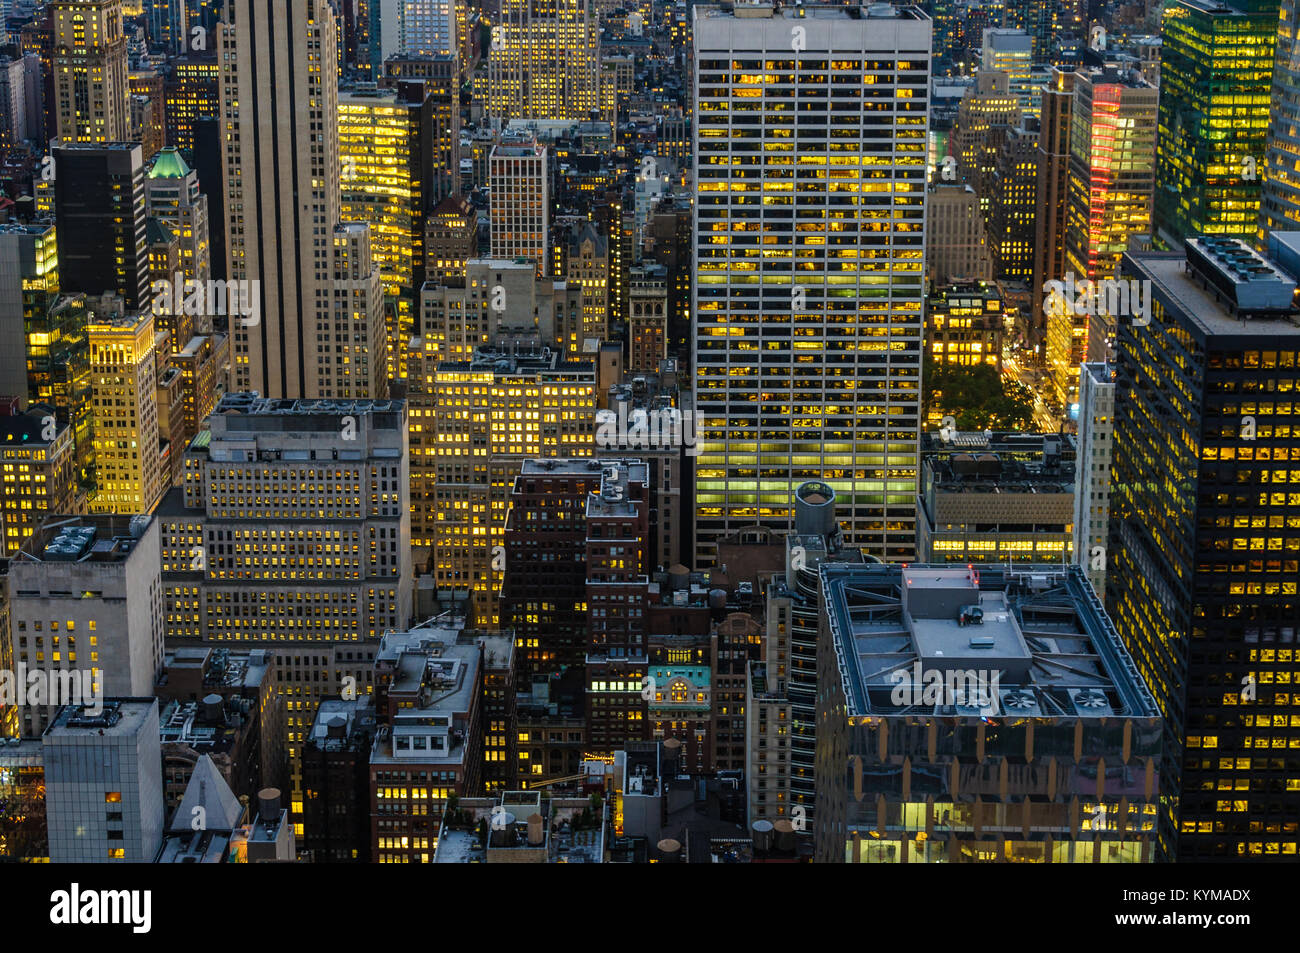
[(977, 397)]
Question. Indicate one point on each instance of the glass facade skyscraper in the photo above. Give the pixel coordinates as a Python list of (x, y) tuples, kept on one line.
[(1203, 560), (1216, 68)]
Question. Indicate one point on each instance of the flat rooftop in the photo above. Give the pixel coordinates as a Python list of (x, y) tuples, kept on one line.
[(123, 717), (810, 11), (80, 539), (252, 404), (1173, 281), (1041, 631)]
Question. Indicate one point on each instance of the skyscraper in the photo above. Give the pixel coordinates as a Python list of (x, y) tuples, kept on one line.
[(315, 564), (386, 150), (810, 249), (1012, 52), (168, 22), (1092, 471), (545, 60), (1280, 196), (100, 216), (480, 419), (1012, 212), (53, 326), (358, 346), (450, 240), (956, 240), (912, 776), (1215, 81), (521, 200), (1053, 163), (190, 91), (279, 113), (40, 472), (90, 71), (172, 195), (1203, 555), (587, 263), (124, 396), (987, 112), (426, 27), (1110, 183)]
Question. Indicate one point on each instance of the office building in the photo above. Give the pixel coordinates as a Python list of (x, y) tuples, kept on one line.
[(985, 115), (386, 151), (587, 265), (29, 285), (173, 197), (621, 705), (519, 180), (1280, 194), (647, 318), (147, 102), (100, 216), (996, 497), (1010, 51), (90, 72), (38, 470), (793, 601), (426, 27), (69, 611), (428, 698), (13, 103), (479, 419), (1092, 471), (1110, 184), (168, 23), (315, 565), (544, 590), (358, 346), (964, 324), (1053, 163), (647, 417), (1215, 84), (204, 366), (957, 242), (441, 77), (282, 203), (56, 369), (191, 90), (999, 668), (494, 299), (545, 61), (1013, 212), (25, 838), (1201, 563), (779, 405), (224, 705), (450, 240), (103, 783), (124, 398), (336, 782)]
